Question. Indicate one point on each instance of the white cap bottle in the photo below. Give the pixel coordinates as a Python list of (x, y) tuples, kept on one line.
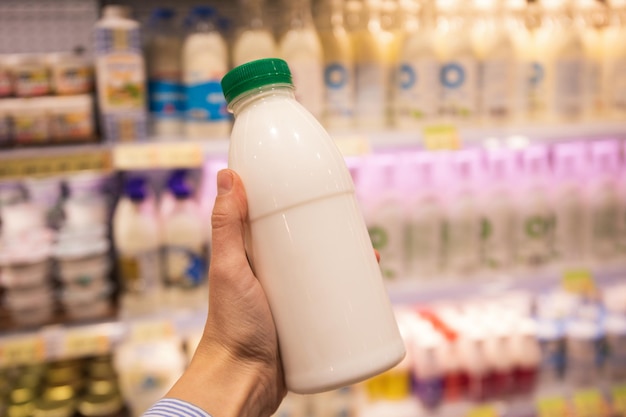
[(307, 241)]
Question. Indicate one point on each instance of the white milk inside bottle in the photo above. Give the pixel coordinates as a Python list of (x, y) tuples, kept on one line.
[(183, 245), (205, 61), (255, 41), (458, 76), (307, 241), (137, 239), (614, 81), (338, 65), (301, 48), (163, 54)]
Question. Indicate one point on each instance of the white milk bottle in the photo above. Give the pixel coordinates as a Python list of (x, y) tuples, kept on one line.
[(614, 81), (137, 240), (338, 65), (120, 76), (372, 57), (417, 92), (307, 241), (301, 48), (494, 50), (165, 91), (255, 41), (205, 61), (183, 245), (458, 75)]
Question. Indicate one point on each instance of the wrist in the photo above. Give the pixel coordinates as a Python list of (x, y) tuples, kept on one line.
[(224, 386)]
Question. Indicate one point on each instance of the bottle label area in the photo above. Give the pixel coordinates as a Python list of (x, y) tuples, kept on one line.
[(167, 99), (184, 268), (205, 102)]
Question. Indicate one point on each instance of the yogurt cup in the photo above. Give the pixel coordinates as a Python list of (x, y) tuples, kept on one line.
[(25, 275)]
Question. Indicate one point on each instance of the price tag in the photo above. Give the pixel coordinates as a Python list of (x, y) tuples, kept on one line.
[(99, 160), (552, 407), (158, 156), (441, 137), (22, 350), (80, 343), (618, 395), (589, 403), (151, 330), (353, 145), (483, 411), (579, 281)]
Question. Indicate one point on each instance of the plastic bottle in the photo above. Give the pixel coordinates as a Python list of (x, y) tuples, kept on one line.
[(338, 65), (499, 211), (569, 164), (205, 61), (137, 240), (458, 77), (121, 76), (301, 48), (163, 54), (603, 199), (417, 91), (496, 62), (184, 245), (372, 65), (585, 353), (614, 82), (307, 241), (534, 229), (428, 370), (255, 41)]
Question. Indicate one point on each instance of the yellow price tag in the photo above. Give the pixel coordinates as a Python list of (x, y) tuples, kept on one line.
[(79, 343), (22, 350), (552, 407), (353, 145), (158, 156), (151, 330), (483, 411), (98, 160), (589, 403), (441, 137), (579, 281), (618, 395)]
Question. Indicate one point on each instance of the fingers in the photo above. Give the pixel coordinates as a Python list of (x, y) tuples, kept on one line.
[(377, 255), (228, 221)]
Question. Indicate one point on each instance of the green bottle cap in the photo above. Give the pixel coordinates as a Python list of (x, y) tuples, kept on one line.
[(253, 75)]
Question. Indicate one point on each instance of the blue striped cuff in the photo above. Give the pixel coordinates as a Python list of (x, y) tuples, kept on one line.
[(171, 407)]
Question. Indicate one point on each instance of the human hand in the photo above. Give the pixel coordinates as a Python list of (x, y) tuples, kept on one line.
[(236, 370)]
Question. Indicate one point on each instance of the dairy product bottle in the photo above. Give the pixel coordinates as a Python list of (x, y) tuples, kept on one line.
[(120, 76), (301, 48), (183, 245), (614, 65), (338, 65), (205, 61), (559, 49), (255, 41), (458, 73), (372, 58), (137, 240), (307, 241), (165, 91), (496, 62), (417, 93)]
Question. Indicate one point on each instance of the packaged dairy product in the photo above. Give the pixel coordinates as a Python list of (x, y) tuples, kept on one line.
[(255, 41), (307, 242), (29, 75), (70, 73), (205, 61), (338, 65), (165, 91), (120, 76), (137, 240), (300, 46)]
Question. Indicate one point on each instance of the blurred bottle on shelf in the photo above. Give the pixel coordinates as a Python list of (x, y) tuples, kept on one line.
[(614, 62), (300, 46), (255, 39), (205, 62), (339, 80), (163, 56), (121, 76)]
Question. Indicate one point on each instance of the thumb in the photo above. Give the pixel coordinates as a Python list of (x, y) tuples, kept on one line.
[(228, 223)]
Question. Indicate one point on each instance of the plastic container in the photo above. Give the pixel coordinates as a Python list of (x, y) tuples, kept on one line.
[(29, 121), (30, 75), (71, 118), (70, 73), (25, 275), (6, 128), (87, 302), (84, 270), (307, 241)]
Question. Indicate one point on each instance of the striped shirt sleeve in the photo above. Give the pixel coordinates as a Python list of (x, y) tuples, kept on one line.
[(171, 407)]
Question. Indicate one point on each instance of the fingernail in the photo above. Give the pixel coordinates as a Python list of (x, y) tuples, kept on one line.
[(224, 182)]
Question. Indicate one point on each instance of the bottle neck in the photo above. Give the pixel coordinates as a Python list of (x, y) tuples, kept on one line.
[(300, 16), (243, 100)]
